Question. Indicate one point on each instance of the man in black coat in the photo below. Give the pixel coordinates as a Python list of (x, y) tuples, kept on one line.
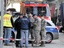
[(16, 26)]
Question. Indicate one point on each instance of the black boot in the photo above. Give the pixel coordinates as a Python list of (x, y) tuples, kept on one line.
[(42, 44)]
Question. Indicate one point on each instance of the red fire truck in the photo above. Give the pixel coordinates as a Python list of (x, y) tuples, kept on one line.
[(40, 9)]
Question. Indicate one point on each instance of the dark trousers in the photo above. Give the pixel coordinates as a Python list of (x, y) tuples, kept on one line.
[(32, 33), (18, 37)]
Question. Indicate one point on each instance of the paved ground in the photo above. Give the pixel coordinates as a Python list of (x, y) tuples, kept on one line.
[(13, 46), (59, 43), (23, 47)]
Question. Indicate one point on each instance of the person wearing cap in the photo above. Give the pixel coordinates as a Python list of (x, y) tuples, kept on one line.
[(37, 28), (7, 27), (43, 33)]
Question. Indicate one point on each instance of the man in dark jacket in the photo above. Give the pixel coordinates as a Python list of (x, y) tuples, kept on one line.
[(24, 27), (16, 26), (18, 29)]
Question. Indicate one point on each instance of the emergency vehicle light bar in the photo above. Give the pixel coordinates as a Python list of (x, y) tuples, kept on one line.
[(35, 5)]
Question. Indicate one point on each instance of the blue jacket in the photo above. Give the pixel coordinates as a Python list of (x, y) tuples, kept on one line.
[(24, 23)]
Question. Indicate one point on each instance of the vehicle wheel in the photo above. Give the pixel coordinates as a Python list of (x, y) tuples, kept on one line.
[(49, 38)]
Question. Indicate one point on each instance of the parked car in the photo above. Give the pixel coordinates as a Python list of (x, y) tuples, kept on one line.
[(52, 31)]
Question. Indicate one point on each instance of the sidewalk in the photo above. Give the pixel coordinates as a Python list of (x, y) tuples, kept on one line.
[(23, 47), (13, 46)]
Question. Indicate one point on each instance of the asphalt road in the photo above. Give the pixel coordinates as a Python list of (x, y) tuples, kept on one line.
[(57, 43)]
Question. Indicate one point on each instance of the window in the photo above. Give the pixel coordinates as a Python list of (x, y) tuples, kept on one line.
[(48, 24), (41, 11), (29, 10)]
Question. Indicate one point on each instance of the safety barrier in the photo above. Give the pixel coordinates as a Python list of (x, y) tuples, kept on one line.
[(16, 39), (10, 39), (13, 44)]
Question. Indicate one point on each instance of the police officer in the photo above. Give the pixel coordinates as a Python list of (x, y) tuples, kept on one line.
[(43, 33), (7, 26), (31, 30), (37, 28)]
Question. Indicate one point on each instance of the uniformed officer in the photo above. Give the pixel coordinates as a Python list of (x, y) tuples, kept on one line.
[(31, 30), (37, 28), (43, 33)]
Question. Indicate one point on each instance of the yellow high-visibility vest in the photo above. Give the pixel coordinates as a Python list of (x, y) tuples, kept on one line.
[(7, 20)]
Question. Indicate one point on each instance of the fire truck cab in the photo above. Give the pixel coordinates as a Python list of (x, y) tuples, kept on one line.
[(40, 9)]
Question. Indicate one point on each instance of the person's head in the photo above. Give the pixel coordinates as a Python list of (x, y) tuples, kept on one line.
[(11, 10), (8, 11), (26, 15), (20, 15), (35, 16), (29, 15)]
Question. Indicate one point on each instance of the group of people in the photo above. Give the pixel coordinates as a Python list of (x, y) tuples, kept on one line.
[(25, 25)]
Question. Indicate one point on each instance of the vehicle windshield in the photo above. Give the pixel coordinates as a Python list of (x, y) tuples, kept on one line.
[(29, 10), (39, 11)]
